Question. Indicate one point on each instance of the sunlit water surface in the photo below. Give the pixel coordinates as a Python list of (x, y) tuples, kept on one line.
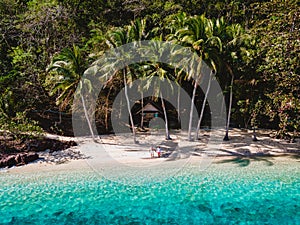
[(225, 193)]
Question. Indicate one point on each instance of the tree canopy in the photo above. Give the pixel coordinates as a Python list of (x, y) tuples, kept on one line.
[(254, 47)]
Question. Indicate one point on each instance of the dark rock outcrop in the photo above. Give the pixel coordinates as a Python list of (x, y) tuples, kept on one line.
[(17, 159)]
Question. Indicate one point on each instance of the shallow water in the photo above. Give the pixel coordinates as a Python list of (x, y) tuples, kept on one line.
[(225, 193)]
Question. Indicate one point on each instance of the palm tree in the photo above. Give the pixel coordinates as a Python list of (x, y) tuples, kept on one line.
[(121, 36), (226, 137), (233, 38), (141, 74), (174, 23), (199, 37), (203, 105), (116, 38), (157, 70), (137, 30), (69, 66), (163, 72), (212, 58), (166, 117)]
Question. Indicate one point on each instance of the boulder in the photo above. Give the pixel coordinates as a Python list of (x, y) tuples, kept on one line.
[(30, 157), (19, 159), (8, 161)]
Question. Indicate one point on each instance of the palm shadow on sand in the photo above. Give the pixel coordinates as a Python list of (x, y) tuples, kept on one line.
[(266, 149), (245, 161)]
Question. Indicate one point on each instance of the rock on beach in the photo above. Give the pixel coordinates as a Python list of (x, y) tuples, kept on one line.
[(18, 159)]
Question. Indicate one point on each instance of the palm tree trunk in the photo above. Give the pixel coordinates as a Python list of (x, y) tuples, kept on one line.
[(223, 103), (166, 118), (254, 138), (87, 117), (120, 109), (106, 108), (142, 103), (178, 104), (128, 105), (226, 138), (60, 109), (191, 111), (203, 107)]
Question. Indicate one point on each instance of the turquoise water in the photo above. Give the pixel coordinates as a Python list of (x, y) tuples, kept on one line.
[(226, 193)]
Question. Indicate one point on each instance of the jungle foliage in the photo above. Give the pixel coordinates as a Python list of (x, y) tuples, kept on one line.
[(46, 45)]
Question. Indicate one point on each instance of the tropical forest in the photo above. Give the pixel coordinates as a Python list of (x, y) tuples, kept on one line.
[(252, 47)]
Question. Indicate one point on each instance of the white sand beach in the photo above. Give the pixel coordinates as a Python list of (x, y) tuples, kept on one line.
[(115, 150)]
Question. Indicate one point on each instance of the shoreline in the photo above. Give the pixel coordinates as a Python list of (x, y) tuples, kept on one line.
[(82, 165)]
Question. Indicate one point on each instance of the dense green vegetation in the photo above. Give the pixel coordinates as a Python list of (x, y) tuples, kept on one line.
[(253, 46)]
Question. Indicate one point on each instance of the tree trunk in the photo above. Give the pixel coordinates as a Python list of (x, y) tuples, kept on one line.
[(59, 113), (120, 109), (254, 138), (203, 107), (191, 111), (226, 138), (142, 104), (106, 108), (294, 136), (222, 106), (178, 104), (87, 117), (128, 106), (166, 118)]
